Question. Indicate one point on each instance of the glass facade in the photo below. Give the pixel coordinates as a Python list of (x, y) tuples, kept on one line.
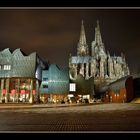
[(17, 64), (19, 76), (55, 81)]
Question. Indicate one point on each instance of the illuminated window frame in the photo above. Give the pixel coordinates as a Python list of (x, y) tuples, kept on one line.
[(72, 87), (45, 79), (7, 67)]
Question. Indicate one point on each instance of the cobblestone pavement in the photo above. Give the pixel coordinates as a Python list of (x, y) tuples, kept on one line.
[(88, 118)]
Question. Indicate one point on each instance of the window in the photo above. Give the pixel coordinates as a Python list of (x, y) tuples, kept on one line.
[(72, 87), (0, 67), (7, 67), (45, 86), (45, 79)]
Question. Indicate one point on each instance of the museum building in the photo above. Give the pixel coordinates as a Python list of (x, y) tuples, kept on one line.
[(20, 76), (54, 87)]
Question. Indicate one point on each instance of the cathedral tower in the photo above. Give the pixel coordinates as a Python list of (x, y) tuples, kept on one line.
[(82, 49), (100, 64), (98, 48)]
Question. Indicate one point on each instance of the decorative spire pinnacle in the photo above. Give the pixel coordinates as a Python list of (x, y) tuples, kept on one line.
[(123, 56), (82, 48), (98, 38), (98, 24), (82, 35)]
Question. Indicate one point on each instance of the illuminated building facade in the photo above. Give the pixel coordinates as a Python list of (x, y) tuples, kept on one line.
[(55, 85), (20, 76), (100, 65), (28, 79), (120, 91)]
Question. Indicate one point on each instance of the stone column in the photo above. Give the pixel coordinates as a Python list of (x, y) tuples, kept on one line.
[(93, 68), (2, 86), (14, 96), (31, 91), (75, 71), (7, 90), (101, 68), (82, 70), (18, 90), (111, 70), (87, 70), (37, 91)]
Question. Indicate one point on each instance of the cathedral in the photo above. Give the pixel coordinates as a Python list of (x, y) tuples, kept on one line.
[(95, 61)]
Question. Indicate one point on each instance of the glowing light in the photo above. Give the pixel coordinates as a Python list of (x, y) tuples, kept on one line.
[(34, 92), (4, 91), (13, 91), (57, 81), (70, 95), (72, 87), (22, 91)]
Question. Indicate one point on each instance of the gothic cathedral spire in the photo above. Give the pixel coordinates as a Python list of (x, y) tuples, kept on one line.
[(82, 44), (98, 38), (98, 48), (82, 40)]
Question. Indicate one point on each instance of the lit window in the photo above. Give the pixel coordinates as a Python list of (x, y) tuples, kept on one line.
[(72, 87), (7, 67), (45, 79)]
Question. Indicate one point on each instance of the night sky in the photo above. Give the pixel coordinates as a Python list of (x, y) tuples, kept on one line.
[(54, 33)]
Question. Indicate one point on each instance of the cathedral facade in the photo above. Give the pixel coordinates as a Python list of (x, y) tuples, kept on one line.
[(99, 63)]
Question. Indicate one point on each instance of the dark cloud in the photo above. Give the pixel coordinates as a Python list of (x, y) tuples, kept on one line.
[(54, 34)]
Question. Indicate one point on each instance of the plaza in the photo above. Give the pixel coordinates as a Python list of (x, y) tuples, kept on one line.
[(116, 117)]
